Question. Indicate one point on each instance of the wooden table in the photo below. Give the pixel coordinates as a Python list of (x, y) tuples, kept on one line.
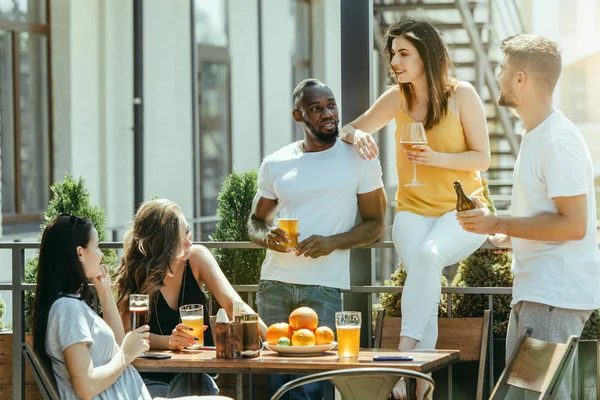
[(424, 361)]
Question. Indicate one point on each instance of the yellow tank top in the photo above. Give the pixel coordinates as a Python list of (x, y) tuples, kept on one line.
[(437, 197)]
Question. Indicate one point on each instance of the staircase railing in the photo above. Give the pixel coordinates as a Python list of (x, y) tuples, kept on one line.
[(486, 68)]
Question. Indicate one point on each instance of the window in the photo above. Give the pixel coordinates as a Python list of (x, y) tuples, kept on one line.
[(25, 109), (212, 72), (301, 57)]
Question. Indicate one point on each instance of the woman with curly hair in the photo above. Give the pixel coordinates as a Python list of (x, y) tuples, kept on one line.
[(160, 260)]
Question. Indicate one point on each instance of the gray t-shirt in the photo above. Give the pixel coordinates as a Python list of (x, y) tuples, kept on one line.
[(72, 321)]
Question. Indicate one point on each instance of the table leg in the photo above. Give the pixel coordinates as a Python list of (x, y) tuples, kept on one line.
[(239, 383), (250, 387), (410, 383), (328, 391)]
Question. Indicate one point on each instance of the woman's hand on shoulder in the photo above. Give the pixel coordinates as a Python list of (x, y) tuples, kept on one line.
[(375, 118), (365, 145)]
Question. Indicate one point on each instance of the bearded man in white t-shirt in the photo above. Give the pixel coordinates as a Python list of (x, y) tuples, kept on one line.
[(324, 181), (552, 227)]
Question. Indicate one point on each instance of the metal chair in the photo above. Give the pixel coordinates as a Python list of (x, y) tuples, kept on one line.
[(536, 366), (44, 377), (468, 335), (360, 383)]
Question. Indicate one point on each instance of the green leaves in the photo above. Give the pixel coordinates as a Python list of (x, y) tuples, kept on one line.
[(484, 268), (392, 302), (241, 266), (2, 311)]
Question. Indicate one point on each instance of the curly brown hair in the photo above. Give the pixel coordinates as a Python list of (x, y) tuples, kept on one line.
[(150, 246)]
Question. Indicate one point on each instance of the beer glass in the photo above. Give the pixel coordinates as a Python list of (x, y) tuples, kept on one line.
[(192, 316), (288, 221), (139, 304), (411, 135), (347, 324)]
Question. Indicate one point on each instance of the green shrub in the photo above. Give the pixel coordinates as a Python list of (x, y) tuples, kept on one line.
[(484, 268), (488, 196), (2, 311), (591, 329), (71, 197), (392, 302), (240, 266)]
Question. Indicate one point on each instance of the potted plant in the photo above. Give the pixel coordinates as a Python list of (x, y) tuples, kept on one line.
[(241, 266)]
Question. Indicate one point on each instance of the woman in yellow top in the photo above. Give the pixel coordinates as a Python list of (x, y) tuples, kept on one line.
[(426, 234)]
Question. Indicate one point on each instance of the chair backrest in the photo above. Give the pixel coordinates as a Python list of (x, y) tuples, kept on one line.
[(468, 335), (44, 377), (360, 383), (536, 366)]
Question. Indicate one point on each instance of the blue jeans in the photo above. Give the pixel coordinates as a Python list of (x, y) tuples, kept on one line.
[(275, 301), (182, 385)]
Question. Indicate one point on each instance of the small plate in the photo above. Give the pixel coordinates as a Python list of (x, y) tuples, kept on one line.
[(301, 351)]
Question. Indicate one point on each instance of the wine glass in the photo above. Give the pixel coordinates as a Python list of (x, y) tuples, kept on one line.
[(413, 134)]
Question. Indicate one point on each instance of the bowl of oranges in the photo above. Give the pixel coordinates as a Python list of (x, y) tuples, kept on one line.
[(301, 335)]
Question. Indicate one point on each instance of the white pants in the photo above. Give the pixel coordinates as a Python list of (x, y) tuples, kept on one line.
[(426, 245)]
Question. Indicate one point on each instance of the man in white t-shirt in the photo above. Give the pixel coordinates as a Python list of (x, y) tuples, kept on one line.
[(556, 264), (324, 181)]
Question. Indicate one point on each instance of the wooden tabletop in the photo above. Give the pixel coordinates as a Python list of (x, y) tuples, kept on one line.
[(269, 362)]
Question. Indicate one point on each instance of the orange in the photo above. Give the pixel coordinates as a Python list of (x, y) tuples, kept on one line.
[(280, 329), (324, 335), (303, 337), (304, 318)]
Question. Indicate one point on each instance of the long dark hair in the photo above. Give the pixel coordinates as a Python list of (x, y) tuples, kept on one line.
[(59, 271), (150, 245), (436, 62)]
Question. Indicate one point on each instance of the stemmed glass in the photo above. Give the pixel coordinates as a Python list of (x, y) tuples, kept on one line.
[(413, 134)]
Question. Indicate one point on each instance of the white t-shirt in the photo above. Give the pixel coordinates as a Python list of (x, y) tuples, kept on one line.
[(554, 161), (71, 321), (322, 188)]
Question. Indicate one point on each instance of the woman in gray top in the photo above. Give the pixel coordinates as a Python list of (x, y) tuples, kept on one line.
[(90, 356)]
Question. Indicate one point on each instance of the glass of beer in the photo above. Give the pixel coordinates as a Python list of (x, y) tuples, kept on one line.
[(192, 316), (412, 135), (288, 221), (139, 304), (347, 324)]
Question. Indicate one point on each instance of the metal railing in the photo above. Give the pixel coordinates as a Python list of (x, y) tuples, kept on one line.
[(18, 287), (116, 232), (488, 73)]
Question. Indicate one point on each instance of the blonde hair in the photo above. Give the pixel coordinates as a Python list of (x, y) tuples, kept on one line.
[(150, 245), (535, 55)]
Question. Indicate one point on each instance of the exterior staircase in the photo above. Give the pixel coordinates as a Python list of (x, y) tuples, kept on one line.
[(473, 30)]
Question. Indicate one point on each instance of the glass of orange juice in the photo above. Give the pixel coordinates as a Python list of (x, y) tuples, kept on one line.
[(347, 324), (192, 316), (288, 221)]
